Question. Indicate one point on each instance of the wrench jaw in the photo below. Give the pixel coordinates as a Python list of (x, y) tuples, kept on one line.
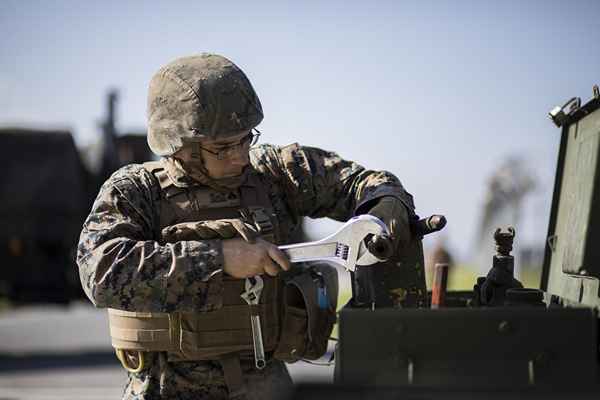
[(254, 286), (367, 258), (254, 283), (363, 225)]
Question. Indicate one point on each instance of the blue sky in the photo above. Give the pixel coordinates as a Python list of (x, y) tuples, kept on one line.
[(438, 92)]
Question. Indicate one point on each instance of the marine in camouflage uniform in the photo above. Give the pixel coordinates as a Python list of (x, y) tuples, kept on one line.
[(125, 264)]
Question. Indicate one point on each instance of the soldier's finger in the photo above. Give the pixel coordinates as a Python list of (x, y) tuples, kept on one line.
[(280, 258), (271, 269)]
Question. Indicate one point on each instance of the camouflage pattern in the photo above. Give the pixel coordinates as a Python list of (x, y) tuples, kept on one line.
[(199, 97), (124, 263), (204, 380)]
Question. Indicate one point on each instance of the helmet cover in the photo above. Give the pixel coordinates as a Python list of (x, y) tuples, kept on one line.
[(199, 97)]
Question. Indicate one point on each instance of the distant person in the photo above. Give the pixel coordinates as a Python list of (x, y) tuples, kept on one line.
[(170, 245)]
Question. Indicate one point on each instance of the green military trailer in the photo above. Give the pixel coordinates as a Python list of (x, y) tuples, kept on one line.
[(47, 189), (44, 200), (500, 340)]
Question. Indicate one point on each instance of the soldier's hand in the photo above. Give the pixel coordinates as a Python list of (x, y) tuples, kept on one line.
[(243, 259), (396, 217)]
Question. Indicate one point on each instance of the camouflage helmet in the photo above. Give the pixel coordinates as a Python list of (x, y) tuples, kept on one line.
[(199, 97)]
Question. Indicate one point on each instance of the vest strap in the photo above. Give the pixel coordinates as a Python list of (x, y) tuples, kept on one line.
[(261, 220), (232, 371), (141, 331), (158, 170)]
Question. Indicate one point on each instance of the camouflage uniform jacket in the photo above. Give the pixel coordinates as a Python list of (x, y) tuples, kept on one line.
[(123, 265)]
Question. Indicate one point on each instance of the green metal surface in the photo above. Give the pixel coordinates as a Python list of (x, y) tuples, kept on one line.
[(574, 256)]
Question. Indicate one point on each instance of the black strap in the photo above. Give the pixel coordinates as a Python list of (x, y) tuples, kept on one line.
[(232, 371)]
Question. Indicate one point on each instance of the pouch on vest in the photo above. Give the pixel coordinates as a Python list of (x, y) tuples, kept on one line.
[(308, 316)]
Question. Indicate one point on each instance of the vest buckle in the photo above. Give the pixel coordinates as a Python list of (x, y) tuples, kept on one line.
[(261, 220)]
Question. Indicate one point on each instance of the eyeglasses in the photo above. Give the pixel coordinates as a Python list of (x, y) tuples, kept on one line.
[(229, 151)]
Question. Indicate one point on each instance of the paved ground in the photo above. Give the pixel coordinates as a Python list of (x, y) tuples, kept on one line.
[(52, 352)]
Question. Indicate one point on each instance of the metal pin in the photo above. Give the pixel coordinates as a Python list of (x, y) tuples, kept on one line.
[(410, 371), (531, 368)]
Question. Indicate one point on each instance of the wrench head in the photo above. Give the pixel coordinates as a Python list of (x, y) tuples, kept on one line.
[(353, 234), (254, 283), (365, 257), (254, 287)]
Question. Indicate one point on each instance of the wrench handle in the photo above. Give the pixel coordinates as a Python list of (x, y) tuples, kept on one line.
[(312, 251), (259, 350)]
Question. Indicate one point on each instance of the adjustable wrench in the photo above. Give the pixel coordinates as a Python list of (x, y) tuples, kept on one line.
[(251, 295), (347, 247)]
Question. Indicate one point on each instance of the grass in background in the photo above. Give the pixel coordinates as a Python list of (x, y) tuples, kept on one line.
[(462, 277)]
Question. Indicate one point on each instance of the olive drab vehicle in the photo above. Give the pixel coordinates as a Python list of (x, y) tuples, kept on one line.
[(47, 191), (500, 340), (40, 223)]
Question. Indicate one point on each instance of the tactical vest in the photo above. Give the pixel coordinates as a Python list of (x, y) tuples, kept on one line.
[(290, 331), (208, 335)]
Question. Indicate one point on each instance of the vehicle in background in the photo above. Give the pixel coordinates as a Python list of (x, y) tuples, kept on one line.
[(47, 190)]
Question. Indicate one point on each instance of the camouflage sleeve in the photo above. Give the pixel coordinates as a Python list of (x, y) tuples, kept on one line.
[(320, 183), (122, 266)]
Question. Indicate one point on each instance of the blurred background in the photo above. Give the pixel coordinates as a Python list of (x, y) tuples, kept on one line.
[(450, 96)]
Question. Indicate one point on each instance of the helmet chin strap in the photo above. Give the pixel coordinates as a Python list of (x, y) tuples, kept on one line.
[(197, 152)]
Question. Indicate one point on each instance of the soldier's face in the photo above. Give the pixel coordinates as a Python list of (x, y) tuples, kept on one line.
[(232, 164)]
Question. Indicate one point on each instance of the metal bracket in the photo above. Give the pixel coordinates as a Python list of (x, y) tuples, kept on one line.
[(560, 115)]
